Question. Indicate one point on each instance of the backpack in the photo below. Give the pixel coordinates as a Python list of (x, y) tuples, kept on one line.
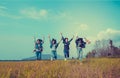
[(82, 44)]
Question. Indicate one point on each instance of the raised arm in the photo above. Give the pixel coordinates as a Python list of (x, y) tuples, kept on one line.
[(86, 40), (49, 38), (76, 39), (76, 36), (43, 39), (71, 39), (34, 38), (62, 36), (59, 41)]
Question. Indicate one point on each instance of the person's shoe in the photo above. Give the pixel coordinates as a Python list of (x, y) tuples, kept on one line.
[(78, 58), (81, 59), (65, 59), (37, 59), (51, 59)]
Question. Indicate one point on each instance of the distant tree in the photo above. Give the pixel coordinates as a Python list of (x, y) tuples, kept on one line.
[(104, 48)]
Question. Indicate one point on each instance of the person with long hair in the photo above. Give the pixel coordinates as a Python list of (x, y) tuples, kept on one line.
[(53, 46)]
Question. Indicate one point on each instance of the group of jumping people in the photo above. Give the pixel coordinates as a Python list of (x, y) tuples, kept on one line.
[(80, 44)]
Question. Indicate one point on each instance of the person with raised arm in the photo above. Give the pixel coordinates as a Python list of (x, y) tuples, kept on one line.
[(66, 43), (80, 44), (53, 46), (38, 47)]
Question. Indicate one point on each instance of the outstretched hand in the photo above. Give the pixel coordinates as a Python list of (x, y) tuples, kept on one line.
[(34, 51), (85, 38), (88, 41), (73, 36), (43, 39), (34, 38), (76, 37), (61, 33), (48, 36)]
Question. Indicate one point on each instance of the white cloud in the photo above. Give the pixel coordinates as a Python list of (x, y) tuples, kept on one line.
[(33, 13), (84, 26), (43, 12), (80, 26), (109, 34), (5, 14), (3, 7), (58, 15)]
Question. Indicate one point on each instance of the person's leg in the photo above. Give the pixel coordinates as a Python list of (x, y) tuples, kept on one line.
[(55, 55), (81, 53), (52, 55), (68, 54), (78, 53), (40, 55), (37, 55), (79, 50), (65, 55)]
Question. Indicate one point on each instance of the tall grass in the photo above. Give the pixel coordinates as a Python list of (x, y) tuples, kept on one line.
[(88, 68)]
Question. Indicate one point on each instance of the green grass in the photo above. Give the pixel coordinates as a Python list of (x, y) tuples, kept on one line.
[(88, 68)]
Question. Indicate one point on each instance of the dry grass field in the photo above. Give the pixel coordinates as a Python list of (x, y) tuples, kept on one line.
[(88, 68)]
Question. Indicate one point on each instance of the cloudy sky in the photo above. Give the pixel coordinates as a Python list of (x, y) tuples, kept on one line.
[(20, 20)]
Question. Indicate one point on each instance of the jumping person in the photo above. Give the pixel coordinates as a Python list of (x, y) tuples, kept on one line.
[(80, 44), (66, 46), (53, 46), (38, 48)]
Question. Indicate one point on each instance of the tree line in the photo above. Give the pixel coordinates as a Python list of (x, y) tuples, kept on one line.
[(104, 48)]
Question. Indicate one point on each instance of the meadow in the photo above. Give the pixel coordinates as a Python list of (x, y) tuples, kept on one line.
[(88, 68)]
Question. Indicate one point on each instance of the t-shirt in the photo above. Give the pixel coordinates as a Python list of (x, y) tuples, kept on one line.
[(66, 45), (54, 46), (38, 47)]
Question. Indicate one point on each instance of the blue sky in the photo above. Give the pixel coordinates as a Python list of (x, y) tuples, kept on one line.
[(20, 20)]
